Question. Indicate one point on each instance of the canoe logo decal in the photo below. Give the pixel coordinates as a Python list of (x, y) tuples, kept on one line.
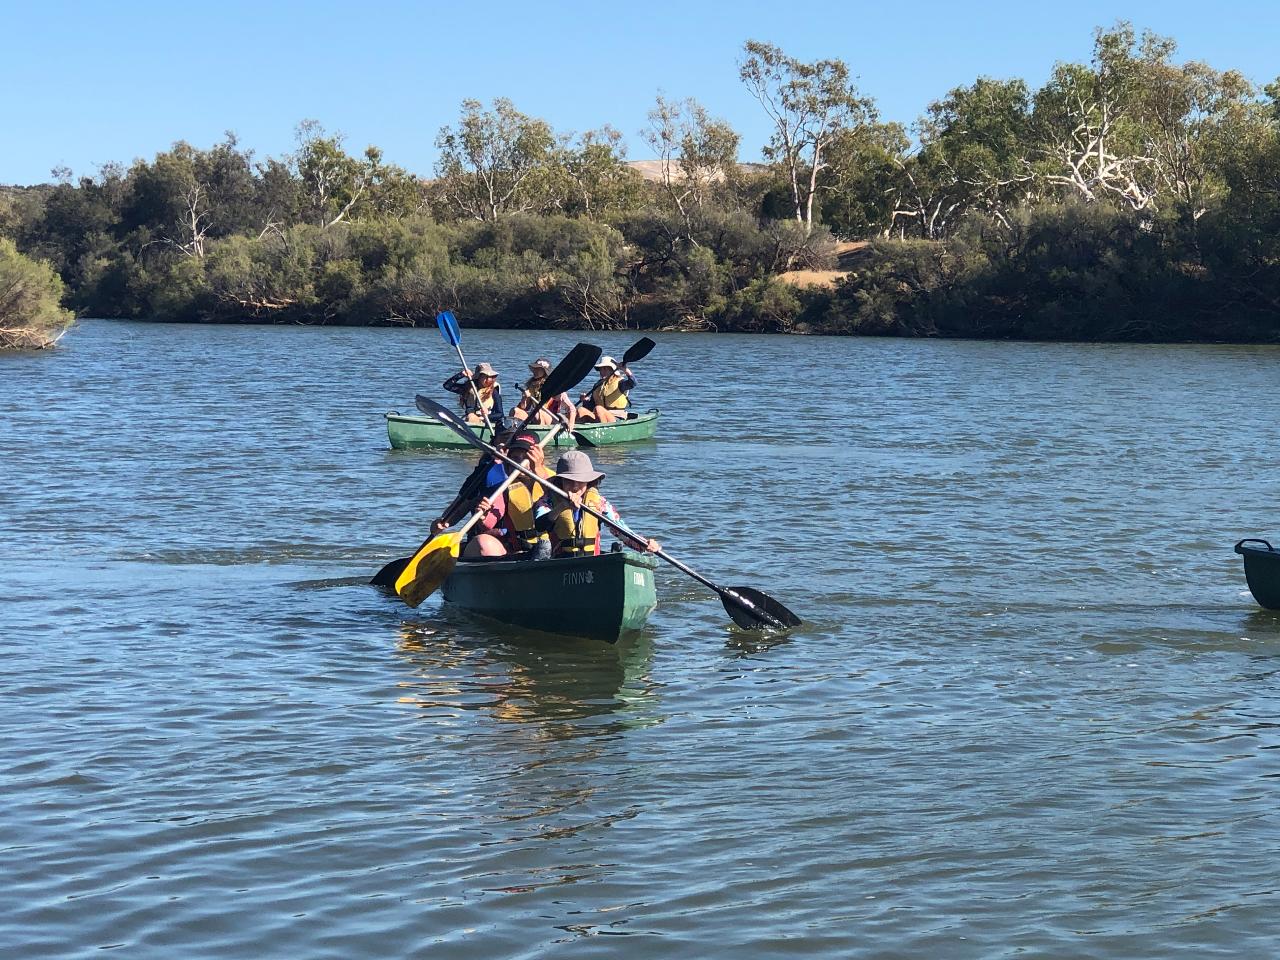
[(578, 577), (637, 578)]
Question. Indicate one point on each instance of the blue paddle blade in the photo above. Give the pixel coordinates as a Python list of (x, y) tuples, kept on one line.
[(448, 327)]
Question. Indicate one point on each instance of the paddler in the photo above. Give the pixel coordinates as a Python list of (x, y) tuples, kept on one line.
[(559, 407), (508, 525), (574, 531), (479, 393), (607, 401)]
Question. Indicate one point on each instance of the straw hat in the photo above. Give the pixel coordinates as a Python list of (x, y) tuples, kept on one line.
[(576, 465)]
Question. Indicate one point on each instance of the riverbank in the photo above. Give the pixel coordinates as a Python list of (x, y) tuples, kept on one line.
[(1072, 273)]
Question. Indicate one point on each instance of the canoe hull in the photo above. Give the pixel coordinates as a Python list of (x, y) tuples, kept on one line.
[(1262, 571), (410, 432), (602, 598)]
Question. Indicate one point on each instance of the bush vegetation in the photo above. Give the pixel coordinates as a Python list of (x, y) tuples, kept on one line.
[(1129, 198)]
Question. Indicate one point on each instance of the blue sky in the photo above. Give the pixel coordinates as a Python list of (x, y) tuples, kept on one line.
[(88, 83)]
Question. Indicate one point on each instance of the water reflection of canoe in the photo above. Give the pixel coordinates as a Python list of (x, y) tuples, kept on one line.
[(411, 432), (1262, 571), (601, 597)]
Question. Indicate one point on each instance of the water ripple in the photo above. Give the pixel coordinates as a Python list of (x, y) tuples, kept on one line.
[(1032, 711)]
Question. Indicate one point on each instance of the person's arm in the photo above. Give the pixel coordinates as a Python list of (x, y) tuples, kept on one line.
[(471, 490), (628, 381), (455, 384), (626, 533), (494, 511)]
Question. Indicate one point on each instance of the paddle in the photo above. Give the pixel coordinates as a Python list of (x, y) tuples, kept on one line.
[(567, 374), (749, 609), (449, 330), (637, 351), (431, 565)]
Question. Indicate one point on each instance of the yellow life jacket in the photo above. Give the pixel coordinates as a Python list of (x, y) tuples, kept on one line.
[(520, 515), (609, 394), (576, 536)]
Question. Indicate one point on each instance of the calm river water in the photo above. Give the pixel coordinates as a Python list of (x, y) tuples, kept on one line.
[(1033, 711)]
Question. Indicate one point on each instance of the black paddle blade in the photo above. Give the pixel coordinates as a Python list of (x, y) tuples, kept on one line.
[(753, 610), (583, 440), (638, 351), (570, 371), (386, 577)]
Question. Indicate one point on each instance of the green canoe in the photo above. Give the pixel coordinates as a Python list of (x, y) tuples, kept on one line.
[(1261, 571), (601, 597), (412, 432)]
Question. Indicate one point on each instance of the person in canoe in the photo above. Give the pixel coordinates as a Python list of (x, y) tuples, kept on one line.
[(508, 526), (478, 393), (574, 531), (607, 401), (557, 407)]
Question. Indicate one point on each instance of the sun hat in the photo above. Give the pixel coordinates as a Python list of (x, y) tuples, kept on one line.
[(607, 361), (541, 364), (576, 465), (485, 370)]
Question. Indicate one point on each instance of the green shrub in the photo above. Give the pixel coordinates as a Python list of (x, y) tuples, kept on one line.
[(31, 311)]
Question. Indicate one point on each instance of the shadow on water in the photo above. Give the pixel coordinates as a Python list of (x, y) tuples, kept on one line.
[(571, 687)]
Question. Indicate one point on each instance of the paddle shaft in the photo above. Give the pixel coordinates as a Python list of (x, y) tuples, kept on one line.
[(661, 554), (475, 391)]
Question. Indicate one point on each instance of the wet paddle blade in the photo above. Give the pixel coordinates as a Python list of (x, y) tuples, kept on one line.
[(582, 439), (387, 576), (753, 610), (428, 568)]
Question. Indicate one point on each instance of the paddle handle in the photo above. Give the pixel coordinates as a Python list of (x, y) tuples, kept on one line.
[(502, 487)]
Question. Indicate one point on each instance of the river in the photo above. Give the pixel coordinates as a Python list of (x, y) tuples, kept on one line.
[(1033, 710)]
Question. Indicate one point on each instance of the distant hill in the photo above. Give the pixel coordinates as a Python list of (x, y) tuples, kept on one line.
[(652, 169)]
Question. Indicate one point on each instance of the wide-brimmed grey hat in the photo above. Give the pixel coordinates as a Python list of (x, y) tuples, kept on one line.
[(541, 364), (485, 370), (607, 362), (576, 465)]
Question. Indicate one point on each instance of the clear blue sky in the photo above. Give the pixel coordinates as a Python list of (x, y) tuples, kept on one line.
[(86, 83)]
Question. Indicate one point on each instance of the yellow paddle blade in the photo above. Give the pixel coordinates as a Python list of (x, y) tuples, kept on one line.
[(428, 569)]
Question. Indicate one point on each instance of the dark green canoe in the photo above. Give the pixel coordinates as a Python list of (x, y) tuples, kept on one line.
[(412, 432), (602, 597), (1262, 571)]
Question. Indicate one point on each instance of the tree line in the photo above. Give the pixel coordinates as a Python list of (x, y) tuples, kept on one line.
[(1128, 198)]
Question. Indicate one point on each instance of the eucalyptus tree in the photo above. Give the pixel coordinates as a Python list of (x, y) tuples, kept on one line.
[(490, 161), (811, 105), (973, 152), (186, 196), (858, 197), (335, 187), (602, 183), (695, 153)]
